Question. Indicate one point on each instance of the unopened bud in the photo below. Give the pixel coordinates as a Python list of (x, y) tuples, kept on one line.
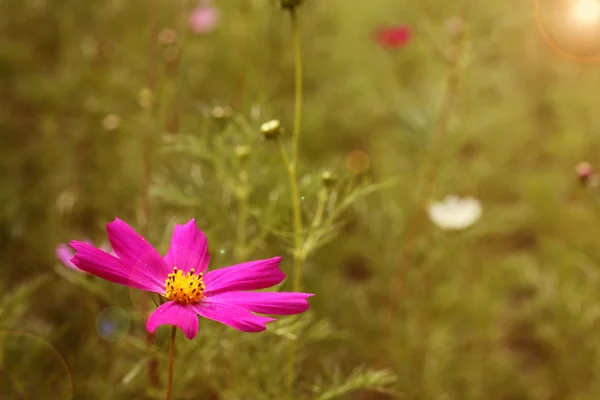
[(586, 174), (271, 129), (289, 4), (328, 179), (242, 152)]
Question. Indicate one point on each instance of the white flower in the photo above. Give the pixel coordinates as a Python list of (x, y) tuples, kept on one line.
[(454, 213)]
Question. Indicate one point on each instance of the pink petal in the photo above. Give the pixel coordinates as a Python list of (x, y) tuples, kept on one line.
[(179, 315), (136, 252), (64, 254), (100, 263), (250, 275), (233, 316), (189, 248), (279, 303)]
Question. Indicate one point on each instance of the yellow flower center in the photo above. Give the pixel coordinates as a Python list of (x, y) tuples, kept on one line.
[(184, 288)]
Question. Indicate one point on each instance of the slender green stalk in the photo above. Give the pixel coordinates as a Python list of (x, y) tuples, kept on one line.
[(413, 230), (297, 86), (429, 171), (292, 164), (146, 145), (171, 363), (298, 255), (323, 196)]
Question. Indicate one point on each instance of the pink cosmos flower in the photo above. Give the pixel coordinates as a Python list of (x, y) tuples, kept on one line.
[(204, 19), (394, 37), (220, 294), (64, 254)]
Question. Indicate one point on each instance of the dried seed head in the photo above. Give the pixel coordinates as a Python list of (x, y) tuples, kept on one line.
[(289, 4), (242, 152), (271, 129), (329, 179)]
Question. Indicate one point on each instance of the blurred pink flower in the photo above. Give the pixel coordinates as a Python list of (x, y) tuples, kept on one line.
[(224, 295), (394, 37), (586, 174), (64, 253), (204, 18)]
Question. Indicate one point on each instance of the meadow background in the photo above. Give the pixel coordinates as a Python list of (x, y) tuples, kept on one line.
[(99, 103)]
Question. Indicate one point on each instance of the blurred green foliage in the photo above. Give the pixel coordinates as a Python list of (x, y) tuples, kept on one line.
[(507, 310)]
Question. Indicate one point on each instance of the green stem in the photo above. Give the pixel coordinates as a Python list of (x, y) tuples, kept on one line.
[(292, 164), (171, 363), (298, 85), (146, 145), (323, 196), (414, 230)]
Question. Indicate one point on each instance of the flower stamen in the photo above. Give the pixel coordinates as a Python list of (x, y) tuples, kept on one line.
[(184, 288)]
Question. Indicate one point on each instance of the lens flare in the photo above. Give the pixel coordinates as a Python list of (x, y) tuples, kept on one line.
[(571, 29), (586, 12)]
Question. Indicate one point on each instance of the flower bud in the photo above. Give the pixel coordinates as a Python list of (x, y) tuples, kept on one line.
[(329, 180), (289, 4), (586, 174), (271, 129), (242, 152)]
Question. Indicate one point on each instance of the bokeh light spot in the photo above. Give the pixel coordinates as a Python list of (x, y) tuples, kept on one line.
[(111, 122), (571, 28), (113, 324), (586, 12), (357, 162)]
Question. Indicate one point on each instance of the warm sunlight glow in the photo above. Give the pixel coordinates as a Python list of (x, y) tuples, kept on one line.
[(586, 12)]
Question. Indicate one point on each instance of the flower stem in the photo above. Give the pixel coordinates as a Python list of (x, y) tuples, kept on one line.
[(146, 144), (298, 85), (413, 229), (171, 363), (429, 169), (292, 164)]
